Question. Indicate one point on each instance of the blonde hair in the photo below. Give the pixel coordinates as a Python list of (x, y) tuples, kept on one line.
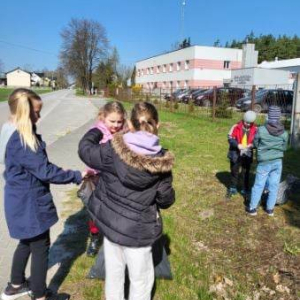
[(20, 105), (111, 107), (144, 116)]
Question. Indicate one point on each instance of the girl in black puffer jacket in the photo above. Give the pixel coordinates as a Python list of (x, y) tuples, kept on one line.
[(136, 182)]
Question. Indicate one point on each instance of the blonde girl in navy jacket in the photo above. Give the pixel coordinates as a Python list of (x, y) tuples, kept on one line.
[(29, 207)]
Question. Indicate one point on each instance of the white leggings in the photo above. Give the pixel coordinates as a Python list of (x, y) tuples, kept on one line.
[(140, 268)]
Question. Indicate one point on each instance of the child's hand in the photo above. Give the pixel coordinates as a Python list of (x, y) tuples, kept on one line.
[(241, 147), (86, 174)]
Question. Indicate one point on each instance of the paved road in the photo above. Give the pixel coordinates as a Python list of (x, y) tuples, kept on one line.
[(64, 120)]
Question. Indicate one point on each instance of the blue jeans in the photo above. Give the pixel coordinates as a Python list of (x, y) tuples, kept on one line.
[(270, 172)]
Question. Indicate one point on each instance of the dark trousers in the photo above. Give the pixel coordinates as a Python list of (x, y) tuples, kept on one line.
[(243, 162), (38, 247)]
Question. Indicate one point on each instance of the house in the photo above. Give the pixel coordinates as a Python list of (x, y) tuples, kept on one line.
[(37, 79), (18, 78), (192, 67)]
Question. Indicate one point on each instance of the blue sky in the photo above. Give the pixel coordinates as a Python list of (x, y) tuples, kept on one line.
[(138, 28)]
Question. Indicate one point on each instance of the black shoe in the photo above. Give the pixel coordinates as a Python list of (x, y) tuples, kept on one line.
[(94, 245), (11, 293), (53, 296)]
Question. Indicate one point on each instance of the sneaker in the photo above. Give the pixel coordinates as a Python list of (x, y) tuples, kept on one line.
[(231, 192), (94, 245), (270, 212), (251, 212), (11, 293)]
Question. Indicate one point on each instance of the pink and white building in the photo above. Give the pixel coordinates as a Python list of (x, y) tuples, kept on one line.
[(195, 66)]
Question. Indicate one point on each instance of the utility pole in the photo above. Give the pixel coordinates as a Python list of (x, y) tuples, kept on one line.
[(182, 21), (295, 123)]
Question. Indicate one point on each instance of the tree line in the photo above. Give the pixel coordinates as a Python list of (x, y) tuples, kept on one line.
[(269, 46)]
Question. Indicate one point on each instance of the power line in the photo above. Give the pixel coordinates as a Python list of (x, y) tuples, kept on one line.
[(28, 48)]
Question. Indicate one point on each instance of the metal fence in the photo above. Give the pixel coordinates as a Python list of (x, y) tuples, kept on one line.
[(214, 103)]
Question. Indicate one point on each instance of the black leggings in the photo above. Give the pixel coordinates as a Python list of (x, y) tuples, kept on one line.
[(245, 164), (38, 247)]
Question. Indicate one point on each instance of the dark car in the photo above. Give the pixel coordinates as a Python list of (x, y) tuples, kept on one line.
[(174, 94), (225, 93), (266, 97), (192, 95)]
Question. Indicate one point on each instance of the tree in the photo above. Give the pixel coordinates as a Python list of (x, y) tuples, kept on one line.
[(61, 78), (1, 66), (124, 73), (84, 44), (133, 75)]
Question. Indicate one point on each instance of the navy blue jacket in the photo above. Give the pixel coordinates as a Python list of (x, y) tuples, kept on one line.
[(29, 207)]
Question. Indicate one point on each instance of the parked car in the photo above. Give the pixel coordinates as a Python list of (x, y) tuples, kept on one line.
[(192, 95), (230, 93), (174, 94), (266, 97)]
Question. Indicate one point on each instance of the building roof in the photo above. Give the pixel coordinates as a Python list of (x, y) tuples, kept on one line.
[(18, 68), (182, 49), (294, 62)]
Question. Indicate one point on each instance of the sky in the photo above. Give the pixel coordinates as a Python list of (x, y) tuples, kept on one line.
[(137, 28)]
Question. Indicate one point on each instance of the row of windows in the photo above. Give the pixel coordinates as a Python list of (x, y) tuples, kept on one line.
[(163, 68), (168, 84)]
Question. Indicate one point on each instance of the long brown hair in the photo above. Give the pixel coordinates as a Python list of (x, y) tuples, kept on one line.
[(144, 116), (20, 105)]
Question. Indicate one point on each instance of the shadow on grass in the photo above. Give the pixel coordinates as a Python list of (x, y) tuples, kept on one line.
[(70, 244)]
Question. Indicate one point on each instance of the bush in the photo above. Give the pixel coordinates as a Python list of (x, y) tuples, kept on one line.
[(223, 110), (176, 105), (191, 107)]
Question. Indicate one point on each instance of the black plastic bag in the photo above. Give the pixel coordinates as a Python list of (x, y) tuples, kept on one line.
[(162, 268)]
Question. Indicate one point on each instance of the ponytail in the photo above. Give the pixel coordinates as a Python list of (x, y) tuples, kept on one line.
[(144, 117), (20, 104)]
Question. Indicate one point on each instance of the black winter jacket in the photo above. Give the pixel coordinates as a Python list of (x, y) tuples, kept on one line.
[(130, 191)]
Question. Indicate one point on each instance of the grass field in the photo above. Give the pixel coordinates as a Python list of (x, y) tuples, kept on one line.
[(5, 92), (216, 251)]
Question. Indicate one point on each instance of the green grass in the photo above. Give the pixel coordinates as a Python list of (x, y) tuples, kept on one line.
[(217, 252), (5, 92)]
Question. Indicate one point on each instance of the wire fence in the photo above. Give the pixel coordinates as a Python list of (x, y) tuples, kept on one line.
[(214, 103)]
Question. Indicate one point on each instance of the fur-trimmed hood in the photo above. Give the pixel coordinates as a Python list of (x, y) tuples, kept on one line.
[(154, 164)]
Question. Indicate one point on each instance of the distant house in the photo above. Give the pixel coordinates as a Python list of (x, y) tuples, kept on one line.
[(37, 79), (18, 77)]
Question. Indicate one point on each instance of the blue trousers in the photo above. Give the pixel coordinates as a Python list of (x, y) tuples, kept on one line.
[(268, 172)]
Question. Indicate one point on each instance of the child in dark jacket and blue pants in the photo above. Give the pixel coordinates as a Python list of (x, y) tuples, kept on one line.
[(29, 207)]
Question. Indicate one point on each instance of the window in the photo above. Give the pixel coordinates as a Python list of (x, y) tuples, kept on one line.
[(187, 65), (148, 71), (164, 68), (138, 73), (178, 66), (142, 72), (226, 64), (186, 84), (151, 71), (177, 84), (164, 85), (171, 68), (158, 69)]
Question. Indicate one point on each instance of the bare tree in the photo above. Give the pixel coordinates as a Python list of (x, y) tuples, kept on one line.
[(124, 73), (84, 44)]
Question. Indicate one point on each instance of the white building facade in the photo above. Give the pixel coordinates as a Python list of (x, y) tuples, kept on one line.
[(18, 78), (192, 67)]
